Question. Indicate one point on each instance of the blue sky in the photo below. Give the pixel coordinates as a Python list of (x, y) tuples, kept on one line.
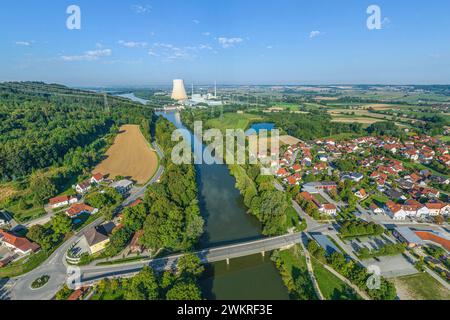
[(133, 42)]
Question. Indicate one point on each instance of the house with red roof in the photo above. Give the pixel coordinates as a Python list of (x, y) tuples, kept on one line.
[(19, 245), (62, 201), (97, 178), (83, 187), (361, 194), (78, 209), (438, 208), (282, 173)]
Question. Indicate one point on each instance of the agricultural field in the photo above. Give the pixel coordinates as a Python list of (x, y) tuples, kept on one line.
[(129, 156), (420, 287), (364, 121), (232, 121)]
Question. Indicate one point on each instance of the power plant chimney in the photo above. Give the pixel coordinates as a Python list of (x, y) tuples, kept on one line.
[(179, 91)]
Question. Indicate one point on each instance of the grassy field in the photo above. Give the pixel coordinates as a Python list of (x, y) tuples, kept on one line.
[(129, 156), (232, 121), (331, 286), (420, 287)]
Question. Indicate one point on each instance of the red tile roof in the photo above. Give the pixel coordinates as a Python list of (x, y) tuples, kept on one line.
[(78, 208), (59, 199), (20, 243)]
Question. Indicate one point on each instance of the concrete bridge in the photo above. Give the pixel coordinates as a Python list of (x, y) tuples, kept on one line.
[(92, 274)]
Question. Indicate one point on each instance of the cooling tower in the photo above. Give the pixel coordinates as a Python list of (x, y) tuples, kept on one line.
[(179, 92)]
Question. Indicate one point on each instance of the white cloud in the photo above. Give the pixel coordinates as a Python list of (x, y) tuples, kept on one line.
[(151, 52), (132, 44), (170, 52), (196, 21), (90, 55), (141, 9), (205, 47), (229, 42), (206, 34), (24, 43), (269, 47), (314, 34)]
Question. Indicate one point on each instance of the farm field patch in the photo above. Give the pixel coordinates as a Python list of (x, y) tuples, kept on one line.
[(129, 156)]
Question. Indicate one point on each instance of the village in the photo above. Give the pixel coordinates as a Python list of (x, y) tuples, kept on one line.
[(376, 200), (15, 248)]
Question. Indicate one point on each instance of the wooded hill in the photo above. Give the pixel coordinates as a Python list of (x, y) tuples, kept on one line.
[(41, 123)]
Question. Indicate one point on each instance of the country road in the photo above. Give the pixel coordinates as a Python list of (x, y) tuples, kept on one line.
[(55, 266)]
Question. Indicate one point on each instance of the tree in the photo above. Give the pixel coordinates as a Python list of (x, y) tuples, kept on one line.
[(61, 224), (118, 241), (134, 217), (40, 235), (64, 293), (189, 266), (184, 291), (143, 286), (42, 187)]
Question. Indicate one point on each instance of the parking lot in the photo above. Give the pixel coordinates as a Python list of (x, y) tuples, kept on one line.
[(371, 243), (392, 266)]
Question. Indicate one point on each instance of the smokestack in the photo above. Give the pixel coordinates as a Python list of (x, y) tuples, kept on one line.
[(179, 91)]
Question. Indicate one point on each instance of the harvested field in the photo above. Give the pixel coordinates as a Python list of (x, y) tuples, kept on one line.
[(357, 120), (289, 140), (129, 156)]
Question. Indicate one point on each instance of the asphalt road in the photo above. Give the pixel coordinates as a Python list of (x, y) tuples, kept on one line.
[(55, 266), (94, 273)]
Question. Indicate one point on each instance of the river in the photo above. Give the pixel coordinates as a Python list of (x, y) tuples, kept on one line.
[(227, 221)]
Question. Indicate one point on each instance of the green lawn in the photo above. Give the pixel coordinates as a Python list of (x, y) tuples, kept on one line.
[(24, 215), (422, 287), (331, 286)]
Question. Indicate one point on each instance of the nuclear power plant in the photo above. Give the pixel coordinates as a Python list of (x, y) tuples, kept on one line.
[(179, 91)]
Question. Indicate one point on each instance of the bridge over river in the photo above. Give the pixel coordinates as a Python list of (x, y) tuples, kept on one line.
[(92, 274)]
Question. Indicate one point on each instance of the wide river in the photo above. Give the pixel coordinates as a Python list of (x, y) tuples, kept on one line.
[(227, 221)]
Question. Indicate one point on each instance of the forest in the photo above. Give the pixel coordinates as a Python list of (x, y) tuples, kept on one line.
[(40, 124)]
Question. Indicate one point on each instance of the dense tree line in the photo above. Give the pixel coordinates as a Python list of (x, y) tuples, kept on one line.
[(40, 124), (170, 215), (150, 285), (354, 228), (271, 206)]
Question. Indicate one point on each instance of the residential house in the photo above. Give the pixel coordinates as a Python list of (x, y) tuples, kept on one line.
[(123, 186), (97, 178), (438, 208), (19, 245), (282, 173), (329, 209), (83, 187), (78, 209), (62, 201), (361, 194), (97, 239), (376, 209)]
